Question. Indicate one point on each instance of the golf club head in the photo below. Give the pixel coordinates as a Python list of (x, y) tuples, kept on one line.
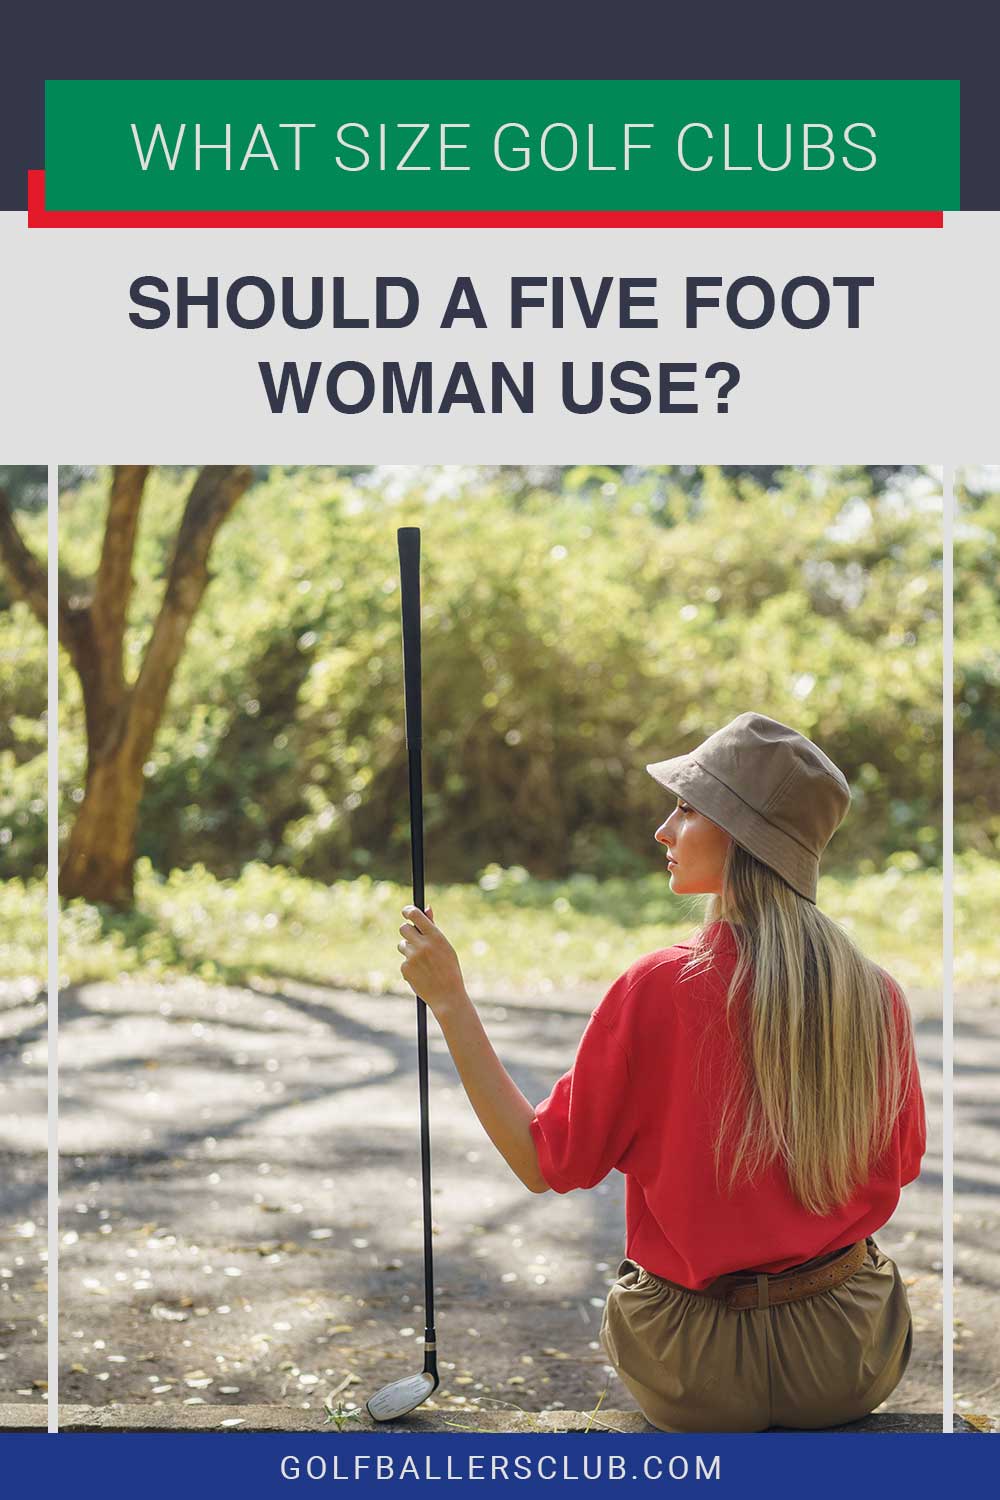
[(401, 1396)]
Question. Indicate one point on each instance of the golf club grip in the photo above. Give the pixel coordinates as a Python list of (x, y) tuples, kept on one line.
[(408, 539)]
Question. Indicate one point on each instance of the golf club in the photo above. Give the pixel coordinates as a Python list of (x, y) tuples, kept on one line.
[(403, 1396)]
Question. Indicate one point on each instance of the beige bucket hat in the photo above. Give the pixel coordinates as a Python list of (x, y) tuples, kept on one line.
[(771, 788)]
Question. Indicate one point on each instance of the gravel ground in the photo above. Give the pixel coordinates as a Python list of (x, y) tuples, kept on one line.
[(241, 1209), (977, 1202), (23, 1133)]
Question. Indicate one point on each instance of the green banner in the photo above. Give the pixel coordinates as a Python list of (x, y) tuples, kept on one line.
[(436, 146)]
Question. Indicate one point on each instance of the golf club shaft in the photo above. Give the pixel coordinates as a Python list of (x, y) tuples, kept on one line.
[(408, 538)]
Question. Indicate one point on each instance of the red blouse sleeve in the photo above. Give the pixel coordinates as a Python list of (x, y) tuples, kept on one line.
[(911, 1128), (583, 1129)]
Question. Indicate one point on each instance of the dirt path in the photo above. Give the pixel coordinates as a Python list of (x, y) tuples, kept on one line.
[(23, 1134), (977, 1202), (240, 1209)]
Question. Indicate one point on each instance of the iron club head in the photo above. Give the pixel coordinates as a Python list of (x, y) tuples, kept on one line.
[(401, 1396)]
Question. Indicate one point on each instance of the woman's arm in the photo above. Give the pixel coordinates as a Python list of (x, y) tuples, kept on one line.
[(430, 966)]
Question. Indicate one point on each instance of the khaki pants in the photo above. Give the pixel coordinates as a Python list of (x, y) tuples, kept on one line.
[(694, 1364)]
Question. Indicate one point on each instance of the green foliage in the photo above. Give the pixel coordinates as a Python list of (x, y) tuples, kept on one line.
[(977, 663), (514, 935), (977, 901), (23, 930), (339, 1413), (26, 486), (22, 698), (577, 624)]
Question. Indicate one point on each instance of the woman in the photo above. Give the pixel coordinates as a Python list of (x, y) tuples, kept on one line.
[(757, 1086)]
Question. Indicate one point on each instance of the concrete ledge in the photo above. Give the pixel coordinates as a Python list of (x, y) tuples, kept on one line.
[(16, 1417)]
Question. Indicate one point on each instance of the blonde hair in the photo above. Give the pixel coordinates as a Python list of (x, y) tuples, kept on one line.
[(826, 1049)]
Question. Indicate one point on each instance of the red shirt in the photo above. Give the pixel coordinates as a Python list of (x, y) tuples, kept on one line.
[(643, 1096)]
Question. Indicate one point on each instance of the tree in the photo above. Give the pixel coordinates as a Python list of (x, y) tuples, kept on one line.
[(23, 830), (122, 717)]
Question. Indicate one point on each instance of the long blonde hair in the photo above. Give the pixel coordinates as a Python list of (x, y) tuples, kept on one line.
[(826, 1050)]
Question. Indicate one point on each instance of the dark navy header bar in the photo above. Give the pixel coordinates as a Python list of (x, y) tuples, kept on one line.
[(517, 40)]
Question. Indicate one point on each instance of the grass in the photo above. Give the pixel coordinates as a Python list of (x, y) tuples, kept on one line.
[(23, 930), (977, 932), (514, 935)]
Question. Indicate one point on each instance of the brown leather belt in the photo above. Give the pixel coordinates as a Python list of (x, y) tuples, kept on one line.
[(748, 1289)]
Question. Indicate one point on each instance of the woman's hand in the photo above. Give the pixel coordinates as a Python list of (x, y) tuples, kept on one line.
[(430, 967), (430, 964)]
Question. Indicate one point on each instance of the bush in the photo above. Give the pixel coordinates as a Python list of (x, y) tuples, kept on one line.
[(977, 665), (23, 824), (574, 628), (513, 934)]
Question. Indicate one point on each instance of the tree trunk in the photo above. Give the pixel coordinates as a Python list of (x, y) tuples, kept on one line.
[(100, 853), (122, 719)]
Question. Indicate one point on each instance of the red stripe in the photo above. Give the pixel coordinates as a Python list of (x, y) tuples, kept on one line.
[(39, 217)]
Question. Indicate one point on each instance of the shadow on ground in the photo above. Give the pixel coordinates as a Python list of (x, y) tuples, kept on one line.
[(240, 1220), (241, 1211), (23, 1137)]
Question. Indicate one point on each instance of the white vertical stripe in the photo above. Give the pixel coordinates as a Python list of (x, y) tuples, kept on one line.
[(52, 1023), (947, 956)]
